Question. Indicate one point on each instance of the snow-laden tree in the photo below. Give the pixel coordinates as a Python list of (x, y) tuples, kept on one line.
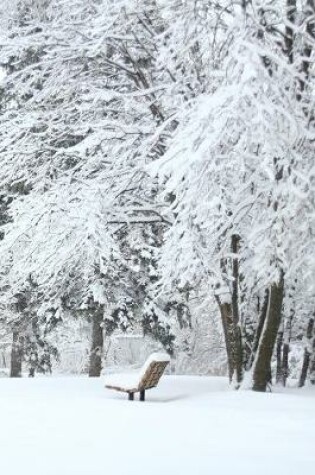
[(240, 167), (77, 107), (219, 94)]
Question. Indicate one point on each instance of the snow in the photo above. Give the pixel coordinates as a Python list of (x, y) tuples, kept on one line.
[(123, 380), (188, 425), (159, 357), (2, 74)]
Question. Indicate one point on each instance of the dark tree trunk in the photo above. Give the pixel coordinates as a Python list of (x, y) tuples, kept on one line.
[(238, 344), (283, 350), (262, 363), (279, 357), (261, 322), (307, 352), (95, 366), (312, 364), (289, 30), (231, 320), (310, 36), (16, 355), (285, 363), (227, 323)]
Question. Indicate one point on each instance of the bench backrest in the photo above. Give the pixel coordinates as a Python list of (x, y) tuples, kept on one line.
[(152, 374)]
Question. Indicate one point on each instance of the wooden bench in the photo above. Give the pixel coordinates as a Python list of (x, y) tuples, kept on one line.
[(147, 378)]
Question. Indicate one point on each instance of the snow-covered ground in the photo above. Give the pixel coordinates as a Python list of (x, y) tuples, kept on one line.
[(187, 426)]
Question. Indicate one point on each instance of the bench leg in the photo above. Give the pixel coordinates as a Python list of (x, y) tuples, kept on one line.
[(131, 396), (142, 395)]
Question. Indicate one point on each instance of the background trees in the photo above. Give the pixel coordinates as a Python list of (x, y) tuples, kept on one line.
[(78, 117), (157, 159), (239, 166)]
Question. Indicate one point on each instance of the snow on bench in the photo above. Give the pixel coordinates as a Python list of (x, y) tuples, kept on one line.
[(147, 378)]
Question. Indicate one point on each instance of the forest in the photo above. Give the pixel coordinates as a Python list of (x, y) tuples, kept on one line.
[(158, 178)]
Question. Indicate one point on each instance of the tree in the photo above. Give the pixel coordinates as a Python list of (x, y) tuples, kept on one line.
[(214, 98), (246, 180), (76, 108)]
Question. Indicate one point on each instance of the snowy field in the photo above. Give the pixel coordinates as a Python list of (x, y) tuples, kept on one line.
[(187, 426)]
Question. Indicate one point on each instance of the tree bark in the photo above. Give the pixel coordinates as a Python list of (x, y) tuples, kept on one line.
[(285, 363), (262, 363), (227, 324), (279, 357), (16, 355), (238, 344), (312, 365), (231, 320), (307, 352), (283, 350), (95, 364), (261, 322), (289, 31), (310, 36)]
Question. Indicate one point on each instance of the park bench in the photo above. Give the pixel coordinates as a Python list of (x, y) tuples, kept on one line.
[(147, 378)]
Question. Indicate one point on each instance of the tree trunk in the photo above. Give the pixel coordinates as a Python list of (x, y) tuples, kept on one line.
[(310, 36), (16, 355), (238, 344), (307, 352), (283, 350), (231, 321), (312, 365), (227, 323), (289, 32), (279, 357), (95, 365), (262, 363), (261, 322), (285, 363)]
